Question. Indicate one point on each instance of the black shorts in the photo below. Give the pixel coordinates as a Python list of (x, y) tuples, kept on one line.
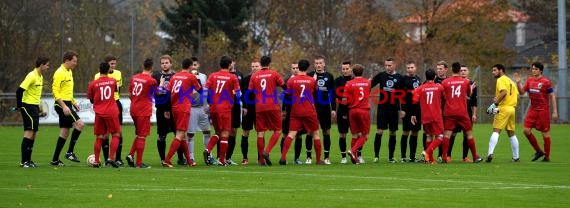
[(30, 116), (163, 125), (324, 116), (407, 123), (66, 121), (120, 106), (236, 115), (343, 124), (248, 120), (285, 123), (387, 118)]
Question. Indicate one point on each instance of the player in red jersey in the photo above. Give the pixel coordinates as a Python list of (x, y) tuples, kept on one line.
[(356, 92), (181, 87), (539, 89), (100, 92), (303, 112), (222, 86), (264, 85), (141, 110), (456, 89), (429, 96)]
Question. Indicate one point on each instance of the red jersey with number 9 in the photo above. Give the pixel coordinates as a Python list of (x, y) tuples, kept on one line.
[(222, 86), (139, 88), (455, 91), (181, 86), (265, 83), (101, 92)]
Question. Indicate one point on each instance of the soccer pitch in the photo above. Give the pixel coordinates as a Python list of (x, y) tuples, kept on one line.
[(497, 184)]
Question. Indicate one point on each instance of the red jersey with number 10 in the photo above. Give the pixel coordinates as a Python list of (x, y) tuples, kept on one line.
[(101, 92), (139, 89), (265, 83), (181, 86), (429, 95), (455, 89), (302, 88), (222, 86)]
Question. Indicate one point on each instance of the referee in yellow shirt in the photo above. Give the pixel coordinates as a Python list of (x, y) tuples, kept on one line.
[(62, 88), (28, 102), (115, 74), (503, 107)]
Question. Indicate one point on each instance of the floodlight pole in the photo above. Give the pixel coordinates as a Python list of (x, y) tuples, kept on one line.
[(562, 66)]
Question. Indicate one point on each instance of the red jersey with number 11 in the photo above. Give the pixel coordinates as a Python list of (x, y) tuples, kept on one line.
[(429, 95), (139, 89), (101, 92), (456, 89)]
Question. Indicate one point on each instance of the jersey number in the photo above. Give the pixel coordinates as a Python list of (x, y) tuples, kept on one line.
[(176, 87), (137, 89), (263, 84), (220, 86), (455, 91), (429, 96), (105, 92), (360, 93)]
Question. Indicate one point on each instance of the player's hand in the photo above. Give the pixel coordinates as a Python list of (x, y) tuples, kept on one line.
[(413, 120), (474, 118), (76, 106), (333, 114), (283, 115), (167, 114), (162, 81), (517, 77), (473, 86), (66, 110), (244, 111), (555, 116), (402, 114), (491, 108), (344, 117)]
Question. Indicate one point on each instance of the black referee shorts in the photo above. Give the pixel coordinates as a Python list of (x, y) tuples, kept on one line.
[(407, 123), (30, 116), (387, 118), (324, 116), (120, 106), (66, 121), (342, 123), (236, 115), (164, 125), (248, 120)]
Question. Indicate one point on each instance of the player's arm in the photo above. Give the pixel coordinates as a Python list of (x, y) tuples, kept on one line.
[(552, 96), (520, 87), (500, 98), (56, 91), (20, 92), (473, 104)]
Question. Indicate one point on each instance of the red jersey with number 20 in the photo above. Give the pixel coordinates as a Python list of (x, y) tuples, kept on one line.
[(181, 86), (101, 92), (429, 95), (139, 88), (265, 83), (455, 89), (302, 88), (222, 86)]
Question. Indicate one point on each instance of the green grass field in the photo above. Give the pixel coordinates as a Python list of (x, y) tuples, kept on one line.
[(498, 184)]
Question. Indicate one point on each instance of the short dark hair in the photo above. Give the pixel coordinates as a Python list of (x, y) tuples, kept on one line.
[(389, 59), (500, 67), (41, 61), (346, 63), (68, 55), (265, 61), (147, 64), (430, 74), (303, 65), (225, 62), (104, 68), (110, 57), (456, 67), (194, 59), (538, 65), (410, 62), (358, 70), (186, 63), (319, 57)]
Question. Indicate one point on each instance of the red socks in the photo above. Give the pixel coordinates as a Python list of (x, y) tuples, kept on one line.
[(272, 142), (445, 148), (318, 148), (114, 146), (533, 142), (223, 149), (139, 146), (357, 144), (547, 142), (213, 141), (260, 146), (173, 147), (286, 146), (97, 149), (473, 148)]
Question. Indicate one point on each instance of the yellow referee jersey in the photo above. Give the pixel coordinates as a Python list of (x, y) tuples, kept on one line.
[(505, 83), (33, 84), (116, 74), (62, 86)]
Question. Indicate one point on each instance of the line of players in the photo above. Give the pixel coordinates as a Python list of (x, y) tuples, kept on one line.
[(268, 117)]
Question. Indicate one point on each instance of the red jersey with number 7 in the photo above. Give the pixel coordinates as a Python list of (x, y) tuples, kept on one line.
[(456, 89), (429, 96), (222, 86), (181, 87), (101, 92), (139, 89), (301, 88)]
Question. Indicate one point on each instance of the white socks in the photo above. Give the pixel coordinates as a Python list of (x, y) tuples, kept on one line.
[(191, 147), (493, 142), (206, 140), (515, 146)]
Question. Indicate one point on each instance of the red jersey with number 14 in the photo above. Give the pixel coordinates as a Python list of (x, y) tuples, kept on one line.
[(181, 86), (101, 92), (429, 95), (139, 88), (302, 88), (455, 91), (222, 86)]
